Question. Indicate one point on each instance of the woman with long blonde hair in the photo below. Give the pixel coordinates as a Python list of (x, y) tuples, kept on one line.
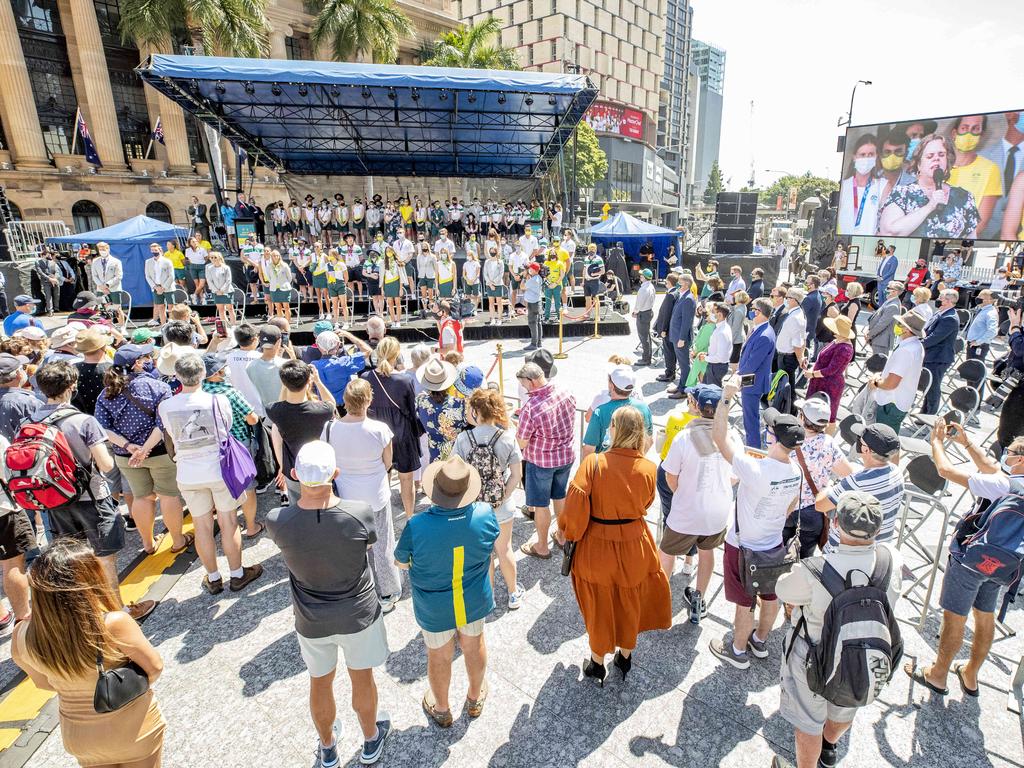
[(76, 621)]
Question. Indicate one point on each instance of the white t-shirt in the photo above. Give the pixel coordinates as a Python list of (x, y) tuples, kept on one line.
[(471, 272), (196, 256), (237, 362), (991, 486), (358, 446), (720, 344), (529, 244), (703, 499), (767, 489), (905, 361), (188, 419), (793, 333)]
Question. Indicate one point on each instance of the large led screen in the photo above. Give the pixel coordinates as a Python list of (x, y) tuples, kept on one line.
[(950, 177)]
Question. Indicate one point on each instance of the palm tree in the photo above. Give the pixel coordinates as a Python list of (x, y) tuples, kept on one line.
[(229, 27), (359, 29), (475, 46)]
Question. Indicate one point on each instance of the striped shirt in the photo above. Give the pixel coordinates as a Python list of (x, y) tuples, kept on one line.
[(885, 484), (546, 422)]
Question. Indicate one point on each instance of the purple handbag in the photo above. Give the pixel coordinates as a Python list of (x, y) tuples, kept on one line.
[(237, 467)]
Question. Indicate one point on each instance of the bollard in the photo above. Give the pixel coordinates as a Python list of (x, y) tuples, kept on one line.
[(501, 369), (597, 317), (560, 354)]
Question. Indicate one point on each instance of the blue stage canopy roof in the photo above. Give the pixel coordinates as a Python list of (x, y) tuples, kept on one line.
[(622, 225), (327, 118)]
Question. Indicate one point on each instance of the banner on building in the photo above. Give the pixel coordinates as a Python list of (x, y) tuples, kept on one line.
[(609, 118)]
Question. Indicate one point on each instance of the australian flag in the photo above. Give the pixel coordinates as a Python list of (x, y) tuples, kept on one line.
[(158, 131), (91, 155)]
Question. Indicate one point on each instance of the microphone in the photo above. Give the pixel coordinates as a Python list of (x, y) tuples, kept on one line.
[(939, 176)]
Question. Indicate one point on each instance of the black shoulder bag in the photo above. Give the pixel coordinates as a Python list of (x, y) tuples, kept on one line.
[(118, 687), (760, 571)]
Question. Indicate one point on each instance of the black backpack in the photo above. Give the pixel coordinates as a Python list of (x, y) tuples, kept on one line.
[(860, 644)]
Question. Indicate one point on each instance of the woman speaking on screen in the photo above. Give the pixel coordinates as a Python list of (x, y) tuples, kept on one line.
[(929, 207)]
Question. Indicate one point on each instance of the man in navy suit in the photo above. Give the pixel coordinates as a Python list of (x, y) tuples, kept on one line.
[(680, 332), (662, 324), (886, 273), (811, 305), (756, 358), (939, 339)]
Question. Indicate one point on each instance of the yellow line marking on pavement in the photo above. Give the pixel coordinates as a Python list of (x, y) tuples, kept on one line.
[(26, 701)]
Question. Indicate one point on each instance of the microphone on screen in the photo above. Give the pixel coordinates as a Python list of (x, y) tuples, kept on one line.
[(939, 177)]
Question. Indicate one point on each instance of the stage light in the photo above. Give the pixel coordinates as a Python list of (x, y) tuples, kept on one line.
[(391, 94), (501, 98), (219, 88), (303, 89), (194, 85), (366, 92), (528, 101), (415, 94), (335, 92), (275, 89), (250, 89), (551, 100), (472, 98), (443, 96)]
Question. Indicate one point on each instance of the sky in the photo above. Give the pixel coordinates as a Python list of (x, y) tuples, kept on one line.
[(798, 60)]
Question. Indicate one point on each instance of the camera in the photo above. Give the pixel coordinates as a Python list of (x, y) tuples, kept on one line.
[(1010, 302)]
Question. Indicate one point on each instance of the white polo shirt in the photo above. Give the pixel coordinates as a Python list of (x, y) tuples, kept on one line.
[(905, 361), (720, 344), (793, 333)]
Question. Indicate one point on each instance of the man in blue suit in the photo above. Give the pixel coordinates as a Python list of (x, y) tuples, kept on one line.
[(756, 358), (811, 305), (886, 273), (939, 340), (680, 332)]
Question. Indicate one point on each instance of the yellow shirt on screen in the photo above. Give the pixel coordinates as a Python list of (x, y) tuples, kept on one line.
[(177, 258), (980, 177), (675, 424), (564, 256), (405, 211)]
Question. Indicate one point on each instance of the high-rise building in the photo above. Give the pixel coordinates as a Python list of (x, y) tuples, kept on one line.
[(710, 65), (62, 56), (675, 129), (619, 44)]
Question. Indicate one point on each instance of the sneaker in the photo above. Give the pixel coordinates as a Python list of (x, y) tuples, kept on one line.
[(829, 755), (213, 587), (671, 387), (372, 749), (266, 486), (152, 323), (140, 610), (129, 523), (396, 324), (727, 653), (758, 648), (388, 602), (515, 599), (249, 574), (698, 606), (689, 568), (327, 757)]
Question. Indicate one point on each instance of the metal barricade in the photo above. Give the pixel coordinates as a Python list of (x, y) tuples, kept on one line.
[(24, 238)]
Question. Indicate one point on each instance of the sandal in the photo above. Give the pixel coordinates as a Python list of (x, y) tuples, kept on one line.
[(475, 707), (917, 675), (256, 535), (527, 549), (958, 670), (190, 539), (442, 719), (527, 512), (156, 544)]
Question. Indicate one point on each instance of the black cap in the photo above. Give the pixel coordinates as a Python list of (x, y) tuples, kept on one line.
[(879, 438), (788, 429), (269, 336), (86, 300)]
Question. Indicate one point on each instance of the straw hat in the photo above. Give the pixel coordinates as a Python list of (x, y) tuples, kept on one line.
[(436, 374), (451, 483), (92, 339), (913, 322), (841, 326)]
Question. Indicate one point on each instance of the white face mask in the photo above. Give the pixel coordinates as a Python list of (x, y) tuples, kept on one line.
[(864, 165)]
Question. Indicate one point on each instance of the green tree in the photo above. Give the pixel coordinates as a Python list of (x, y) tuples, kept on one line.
[(715, 183), (591, 161), (364, 30), (229, 27), (473, 46), (806, 185)]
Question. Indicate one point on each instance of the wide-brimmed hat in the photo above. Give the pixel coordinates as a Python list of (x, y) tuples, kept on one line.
[(841, 326), (168, 357), (913, 322), (451, 483), (543, 360), (436, 374)]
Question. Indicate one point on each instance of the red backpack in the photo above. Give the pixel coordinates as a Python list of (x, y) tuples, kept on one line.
[(42, 470)]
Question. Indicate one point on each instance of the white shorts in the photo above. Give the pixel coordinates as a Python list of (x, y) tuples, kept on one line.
[(440, 639), (203, 498), (798, 704), (363, 650)]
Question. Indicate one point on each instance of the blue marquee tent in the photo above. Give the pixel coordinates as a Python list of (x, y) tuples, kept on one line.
[(129, 241), (330, 118), (633, 233)]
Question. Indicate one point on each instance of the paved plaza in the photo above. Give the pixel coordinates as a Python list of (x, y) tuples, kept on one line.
[(234, 691)]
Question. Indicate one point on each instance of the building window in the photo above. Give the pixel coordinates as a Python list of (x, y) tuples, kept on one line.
[(49, 71), (297, 47), (86, 215), (108, 16), (159, 211), (15, 211), (130, 106), (38, 16)]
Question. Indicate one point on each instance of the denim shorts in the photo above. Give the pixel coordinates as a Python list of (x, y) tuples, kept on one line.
[(545, 484), (963, 589)]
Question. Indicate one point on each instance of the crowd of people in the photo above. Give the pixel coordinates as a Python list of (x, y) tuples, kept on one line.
[(100, 428)]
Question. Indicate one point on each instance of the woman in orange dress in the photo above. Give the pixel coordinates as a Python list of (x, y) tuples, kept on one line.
[(619, 584)]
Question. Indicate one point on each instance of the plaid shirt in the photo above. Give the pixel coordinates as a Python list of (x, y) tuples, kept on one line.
[(240, 407), (547, 422)]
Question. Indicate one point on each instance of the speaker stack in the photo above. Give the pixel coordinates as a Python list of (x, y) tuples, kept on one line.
[(735, 217)]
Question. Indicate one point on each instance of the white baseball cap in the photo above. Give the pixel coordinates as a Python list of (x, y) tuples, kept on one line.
[(817, 409), (622, 377), (328, 341), (315, 463)]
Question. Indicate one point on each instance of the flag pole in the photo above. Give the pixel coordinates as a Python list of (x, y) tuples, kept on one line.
[(74, 136)]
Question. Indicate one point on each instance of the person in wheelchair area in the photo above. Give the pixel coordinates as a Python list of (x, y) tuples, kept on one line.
[(612, 294)]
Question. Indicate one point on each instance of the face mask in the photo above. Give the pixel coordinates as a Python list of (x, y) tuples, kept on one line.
[(1004, 462), (864, 165), (148, 366), (912, 146), (966, 142), (892, 162), (897, 329)]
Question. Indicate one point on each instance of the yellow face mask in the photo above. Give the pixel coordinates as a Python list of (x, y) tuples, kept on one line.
[(897, 329), (891, 162), (966, 142)]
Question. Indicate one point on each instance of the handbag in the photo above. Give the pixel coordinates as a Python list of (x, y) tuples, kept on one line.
[(760, 571), (237, 467), (568, 555), (118, 687), (802, 461)]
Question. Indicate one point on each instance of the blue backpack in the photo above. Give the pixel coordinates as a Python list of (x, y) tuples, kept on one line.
[(989, 541)]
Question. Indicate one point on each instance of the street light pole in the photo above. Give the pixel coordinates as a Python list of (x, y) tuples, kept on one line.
[(853, 95)]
